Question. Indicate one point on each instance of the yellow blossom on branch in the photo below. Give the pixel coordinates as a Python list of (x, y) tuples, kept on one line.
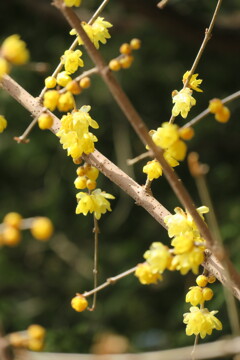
[(72, 60), (96, 203), (158, 257), (14, 50), (74, 132), (97, 32), (201, 321), (193, 82), (183, 101), (145, 275)]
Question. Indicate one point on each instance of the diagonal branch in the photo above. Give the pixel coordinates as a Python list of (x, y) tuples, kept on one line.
[(136, 122), (126, 183)]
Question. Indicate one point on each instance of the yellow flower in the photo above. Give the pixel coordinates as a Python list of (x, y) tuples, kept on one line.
[(4, 67), (158, 257), (72, 60), (165, 135), (183, 243), (3, 123), (14, 50), (178, 150), (74, 134), (42, 228), (194, 82), (66, 102), (195, 296), (50, 99), (177, 223), (183, 102), (97, 32), (96, 203), (153, 170), (70, 3), (79, 303), (63, 78), (190, 260), (145, 275), (201, 321)]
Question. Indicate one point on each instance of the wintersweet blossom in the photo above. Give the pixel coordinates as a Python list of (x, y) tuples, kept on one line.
[(153, 170), (74, 132), (190, 260), (193, 82), (97, 32), (167, 137), (14, 50), (72, 60), (182, 222), (96, 203), (201, 321), (183, 101), (194, 296), (158, 257), (145, 275)]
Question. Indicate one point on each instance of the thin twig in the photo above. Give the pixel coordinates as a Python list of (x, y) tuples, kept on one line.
[(80, 77), (110, 281), (96, 232), (204, 113), (139, 157), (22, 138), (207, 37), (193, 353)]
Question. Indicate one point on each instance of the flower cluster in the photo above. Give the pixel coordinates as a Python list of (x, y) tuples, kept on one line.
[(183, 99), (74, 132), (10, 230), (95, 203), (97, 32), (125, 60), (201, 321), (168, 138), (32, 338), (158, 257), (145, 274), (221, 112), (13, 51), (87, 176), (187, 242)]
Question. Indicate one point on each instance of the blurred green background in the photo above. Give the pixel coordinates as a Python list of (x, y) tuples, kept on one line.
[(38, 280)]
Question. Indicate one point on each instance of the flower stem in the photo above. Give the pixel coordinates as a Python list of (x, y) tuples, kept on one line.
[(204, 113), (96, 232), (110, 281)]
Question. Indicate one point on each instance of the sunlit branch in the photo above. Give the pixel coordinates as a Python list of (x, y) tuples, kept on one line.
[(204, 113)]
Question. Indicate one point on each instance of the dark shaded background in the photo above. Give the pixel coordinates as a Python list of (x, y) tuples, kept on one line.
[(38, 280)]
